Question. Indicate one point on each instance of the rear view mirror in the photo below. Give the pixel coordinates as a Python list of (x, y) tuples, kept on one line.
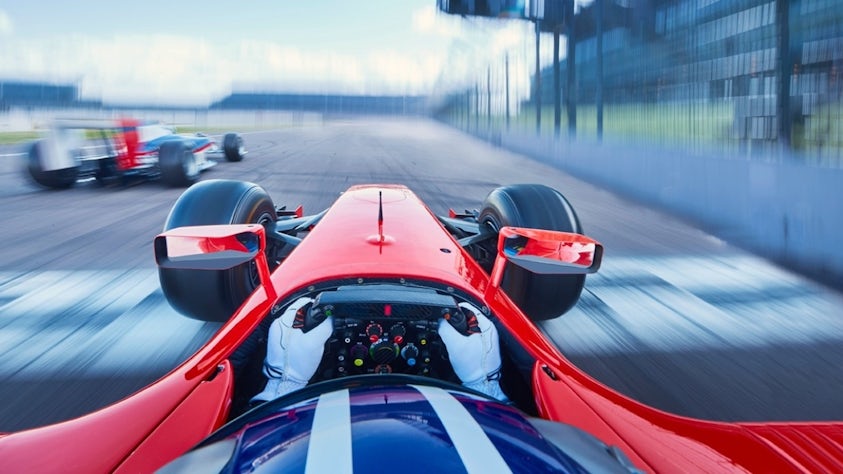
[(210, 247), (546, 252), (195, 264), (543, 271), (550, 252)]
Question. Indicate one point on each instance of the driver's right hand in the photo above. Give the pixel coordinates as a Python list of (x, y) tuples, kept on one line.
[(475, 358)]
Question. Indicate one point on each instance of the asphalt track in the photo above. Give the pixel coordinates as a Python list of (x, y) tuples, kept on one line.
[(676, 318)]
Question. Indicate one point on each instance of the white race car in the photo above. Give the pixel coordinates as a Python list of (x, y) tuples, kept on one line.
[(116, 151)]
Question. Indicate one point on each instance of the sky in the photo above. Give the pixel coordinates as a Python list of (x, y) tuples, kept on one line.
[(195, 52)]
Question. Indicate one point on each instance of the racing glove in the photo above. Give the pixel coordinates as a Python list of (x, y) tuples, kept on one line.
[(292, 355), (476, 357)]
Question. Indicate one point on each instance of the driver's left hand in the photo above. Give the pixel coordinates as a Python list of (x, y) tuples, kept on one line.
[(292, 356)]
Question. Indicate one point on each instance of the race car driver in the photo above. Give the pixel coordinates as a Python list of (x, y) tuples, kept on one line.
[(293, 355)]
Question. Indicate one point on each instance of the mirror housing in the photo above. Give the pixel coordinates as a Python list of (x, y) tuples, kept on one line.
[(214, 248), (546, 252)]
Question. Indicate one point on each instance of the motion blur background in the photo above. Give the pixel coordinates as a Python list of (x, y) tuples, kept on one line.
[(717, 110), (650, 115), (748, 76), (721, 111)]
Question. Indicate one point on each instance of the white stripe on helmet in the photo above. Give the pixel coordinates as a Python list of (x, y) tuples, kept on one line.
[(476, 450), (331, 433)]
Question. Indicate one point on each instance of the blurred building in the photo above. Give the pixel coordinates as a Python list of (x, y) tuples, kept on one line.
[(15, 93), (39, 95), (755, 72), (324, 103)]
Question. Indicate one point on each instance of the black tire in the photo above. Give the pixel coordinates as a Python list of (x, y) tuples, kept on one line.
[(536, 206), (232, 146), (53, 179), (177, 164), (215, 295)]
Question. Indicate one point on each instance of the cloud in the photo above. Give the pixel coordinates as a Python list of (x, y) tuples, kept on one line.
[(175, 69), (429, 20), (404, 72), (181, 69), (6, 28)]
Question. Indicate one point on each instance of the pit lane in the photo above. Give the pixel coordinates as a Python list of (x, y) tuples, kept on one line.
[(676, 318)]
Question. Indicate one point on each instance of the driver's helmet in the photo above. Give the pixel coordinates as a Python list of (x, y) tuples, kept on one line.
[(375, 423)]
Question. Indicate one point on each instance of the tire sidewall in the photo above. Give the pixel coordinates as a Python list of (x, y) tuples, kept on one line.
[(191, 169), (177, 164), (252, 209)]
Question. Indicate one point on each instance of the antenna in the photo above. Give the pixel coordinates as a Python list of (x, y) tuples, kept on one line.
[(380, 216)]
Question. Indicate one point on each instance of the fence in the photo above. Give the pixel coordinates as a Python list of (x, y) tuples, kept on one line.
[(745, 78)]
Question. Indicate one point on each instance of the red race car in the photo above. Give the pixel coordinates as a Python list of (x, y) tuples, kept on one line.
[(375, 335)]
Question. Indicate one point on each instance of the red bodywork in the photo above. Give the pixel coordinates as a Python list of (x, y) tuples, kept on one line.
[(153, 426), (128, 142)]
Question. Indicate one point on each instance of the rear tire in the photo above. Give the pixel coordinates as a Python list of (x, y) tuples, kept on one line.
[(232, 145), (535, 206), (207, 295), (177, 164), (53, 179)]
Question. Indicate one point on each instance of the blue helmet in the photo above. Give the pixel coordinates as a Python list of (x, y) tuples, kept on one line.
[(377, 423)]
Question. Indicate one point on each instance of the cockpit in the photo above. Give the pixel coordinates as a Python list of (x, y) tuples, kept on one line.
[(387, 392), (383, 327)]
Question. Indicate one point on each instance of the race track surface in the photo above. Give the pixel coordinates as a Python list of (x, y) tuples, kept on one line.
[(676, 318)]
